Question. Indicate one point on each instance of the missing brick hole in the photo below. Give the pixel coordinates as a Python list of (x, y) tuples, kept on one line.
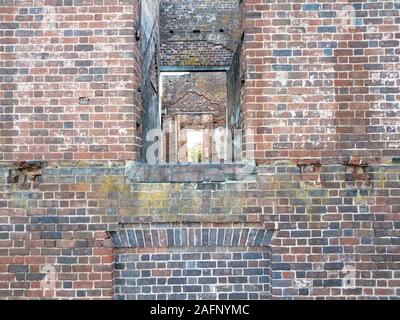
[(26, 175), (84, 101), (309, 166), (357, 173), (358, 176)]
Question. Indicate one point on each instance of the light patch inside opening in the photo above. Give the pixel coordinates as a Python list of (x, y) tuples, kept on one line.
[(194, 145)]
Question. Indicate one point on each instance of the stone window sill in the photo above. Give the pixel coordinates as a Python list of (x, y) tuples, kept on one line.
[(190, 173)]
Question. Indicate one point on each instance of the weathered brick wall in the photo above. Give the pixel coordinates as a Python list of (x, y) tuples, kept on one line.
[(323, 219), (315, 93), (69, 74), (199, 33), (319, 85)]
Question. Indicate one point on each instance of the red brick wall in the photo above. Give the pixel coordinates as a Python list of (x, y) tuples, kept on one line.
[(318, 85), (70, 71)]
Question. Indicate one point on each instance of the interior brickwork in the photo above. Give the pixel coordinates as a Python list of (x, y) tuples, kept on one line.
[(314, 88), (196, 93), (197, 33)]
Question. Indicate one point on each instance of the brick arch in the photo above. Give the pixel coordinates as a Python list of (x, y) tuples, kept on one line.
[(191, 261)]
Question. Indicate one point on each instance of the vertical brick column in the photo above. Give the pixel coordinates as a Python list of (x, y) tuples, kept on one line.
[(319, 85), (69, 78)]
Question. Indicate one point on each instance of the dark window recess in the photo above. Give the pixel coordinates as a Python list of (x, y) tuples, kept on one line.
[(191, 115)]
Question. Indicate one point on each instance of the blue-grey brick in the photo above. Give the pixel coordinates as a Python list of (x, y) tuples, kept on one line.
[(282, 67), (237, 264), (237, 279), (184, 237), (243, 237), (213, 237), (208, 280), (170, 238), (147, 238), (125, 290), (267, 238), (333, 283), (6, 227), (67, 260), (252, 237), (228, 237), (192, 288), (124, 238), (191, 273), (51, 235), (206, 264), (259, 238), (333, 266), (10, 25), (139, 238), (332, 249), (178, 237), (282, 53), (221, 237), (311, 6), (191, 256), (116, 240), (254, 272), (18, 269), (326, 29), (145, 257), (147, 281), (155, 238), (197, 237), (236, 237), (177, 281), (98, 70), (132, 239), (83, 47), (327, 14), (177, 297), (281, 266), (204, 237)]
